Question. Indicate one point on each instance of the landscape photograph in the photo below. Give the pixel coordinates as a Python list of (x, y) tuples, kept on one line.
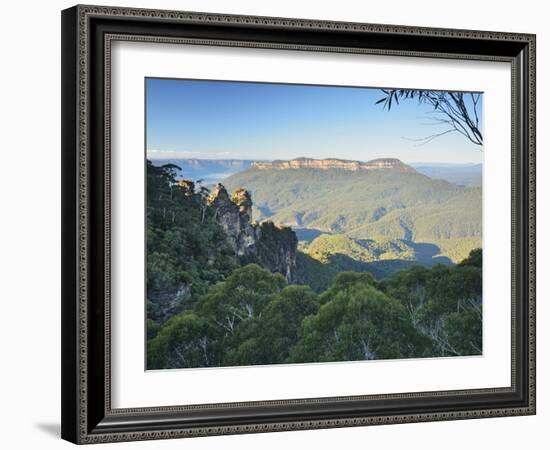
[(299, 224)]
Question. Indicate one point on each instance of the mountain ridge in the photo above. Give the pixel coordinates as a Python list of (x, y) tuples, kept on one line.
[(333, 163), (212, 171), (368, 204)]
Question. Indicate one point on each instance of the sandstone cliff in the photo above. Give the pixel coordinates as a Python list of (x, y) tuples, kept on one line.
[(332, 163), (272, 246), (235, 216)]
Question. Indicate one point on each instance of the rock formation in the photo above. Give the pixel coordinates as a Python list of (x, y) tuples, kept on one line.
[(235, 216), (167, 303), (272, 246), (276, 249)]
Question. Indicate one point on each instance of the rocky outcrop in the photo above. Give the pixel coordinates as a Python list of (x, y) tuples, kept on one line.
[(234, 214), (274, 247), (271, 246), (166, 303), (326, 164)]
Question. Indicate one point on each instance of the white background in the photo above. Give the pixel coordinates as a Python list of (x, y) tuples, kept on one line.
[(30, 225), (132, 387)]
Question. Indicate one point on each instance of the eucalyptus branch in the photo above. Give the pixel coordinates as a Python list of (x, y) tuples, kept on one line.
[(459, 115)]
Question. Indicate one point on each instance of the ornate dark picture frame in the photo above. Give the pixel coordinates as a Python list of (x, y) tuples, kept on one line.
[(87, 33)]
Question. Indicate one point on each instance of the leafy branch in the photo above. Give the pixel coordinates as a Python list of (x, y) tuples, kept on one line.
[(458, 111)]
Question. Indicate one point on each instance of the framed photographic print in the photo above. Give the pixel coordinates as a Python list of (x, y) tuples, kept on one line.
[(281, 224)]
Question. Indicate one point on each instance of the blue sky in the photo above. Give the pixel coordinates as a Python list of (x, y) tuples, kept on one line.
[(264, 121)]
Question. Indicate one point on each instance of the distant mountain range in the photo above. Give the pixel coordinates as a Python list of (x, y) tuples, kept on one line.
[(214, 170), (461, 174), (391, 201)]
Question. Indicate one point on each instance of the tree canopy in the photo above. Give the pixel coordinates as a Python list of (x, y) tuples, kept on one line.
[(253, 317)]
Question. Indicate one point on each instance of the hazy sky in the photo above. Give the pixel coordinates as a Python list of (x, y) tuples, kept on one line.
[(229, 120)]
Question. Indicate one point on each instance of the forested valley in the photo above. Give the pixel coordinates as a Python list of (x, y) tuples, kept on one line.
[(223, 290)]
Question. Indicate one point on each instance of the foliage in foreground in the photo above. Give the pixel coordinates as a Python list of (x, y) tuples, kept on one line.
[(254, 318), (185, 243)]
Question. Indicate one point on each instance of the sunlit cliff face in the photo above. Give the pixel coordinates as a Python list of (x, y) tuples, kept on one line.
[(326, 164)]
